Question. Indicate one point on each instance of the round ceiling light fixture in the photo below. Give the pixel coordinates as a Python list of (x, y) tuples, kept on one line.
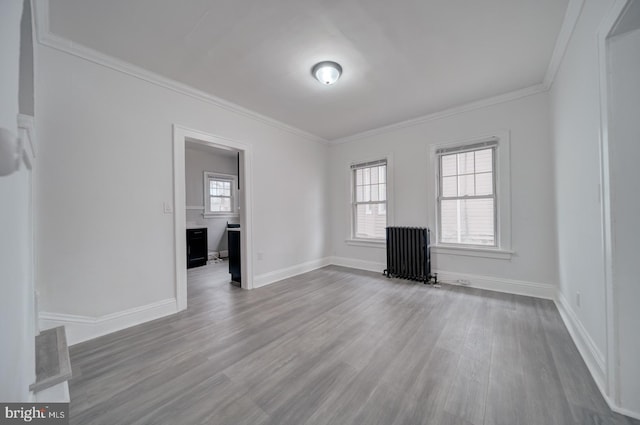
[(327, 72)]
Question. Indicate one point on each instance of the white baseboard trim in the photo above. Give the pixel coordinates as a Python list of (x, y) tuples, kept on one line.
[(287, 272), (510, 286), (84, 328), (354, 263), (622, 411), (592, 356), (498, 284), (590, 353)]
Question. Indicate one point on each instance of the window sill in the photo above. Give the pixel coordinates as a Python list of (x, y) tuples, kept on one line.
[(371, 243), (222, 215), (499, 254)]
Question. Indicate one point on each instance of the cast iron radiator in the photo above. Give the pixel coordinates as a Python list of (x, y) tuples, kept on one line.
[(409, 254)]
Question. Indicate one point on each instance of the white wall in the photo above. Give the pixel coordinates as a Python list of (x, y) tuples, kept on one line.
[(575, 101), (104, 243), (197, 161), (533, 225), (17, 368), (576, 132), (624, 153)]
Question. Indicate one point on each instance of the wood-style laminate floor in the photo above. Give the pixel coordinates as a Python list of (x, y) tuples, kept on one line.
[(338, 346)]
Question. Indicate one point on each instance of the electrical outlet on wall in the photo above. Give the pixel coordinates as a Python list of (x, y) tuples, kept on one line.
[(578, 299), (260, 255), (167, 208)]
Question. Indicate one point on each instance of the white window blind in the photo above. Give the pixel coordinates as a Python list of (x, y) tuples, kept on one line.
[(369, 203), (219, 195), (467, 194)]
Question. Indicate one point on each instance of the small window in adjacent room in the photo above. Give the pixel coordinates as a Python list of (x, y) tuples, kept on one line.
[(369, 200), (219, 194), (467, 198)]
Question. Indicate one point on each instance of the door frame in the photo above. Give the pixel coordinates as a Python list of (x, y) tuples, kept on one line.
[(181, 135), (605, 30)]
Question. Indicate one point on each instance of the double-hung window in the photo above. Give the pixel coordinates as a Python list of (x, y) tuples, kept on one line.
[(219, 194), (369, 199), (467, 198)]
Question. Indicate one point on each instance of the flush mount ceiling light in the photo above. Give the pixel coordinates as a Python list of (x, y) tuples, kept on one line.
[(327, 72)]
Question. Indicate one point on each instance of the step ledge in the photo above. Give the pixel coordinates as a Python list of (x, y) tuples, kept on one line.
[(59, 393), (53, 365)]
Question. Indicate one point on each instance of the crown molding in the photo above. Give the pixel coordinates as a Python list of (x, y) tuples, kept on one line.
[(46, 38), (574, 9), (495, 100)]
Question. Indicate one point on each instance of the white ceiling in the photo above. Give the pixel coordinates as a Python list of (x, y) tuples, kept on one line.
[(401, 59), (630, 20)]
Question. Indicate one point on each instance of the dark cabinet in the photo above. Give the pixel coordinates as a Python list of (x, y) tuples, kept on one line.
[(196, 247), (234, 254)]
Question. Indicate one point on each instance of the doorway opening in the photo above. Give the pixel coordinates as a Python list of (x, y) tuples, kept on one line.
[(216, 198)]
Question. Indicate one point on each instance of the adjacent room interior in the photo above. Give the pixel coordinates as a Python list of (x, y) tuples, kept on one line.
[(276, 212), (212, 193)]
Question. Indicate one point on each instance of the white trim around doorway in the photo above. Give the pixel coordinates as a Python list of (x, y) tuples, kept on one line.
[(180, 136), (611, 391)]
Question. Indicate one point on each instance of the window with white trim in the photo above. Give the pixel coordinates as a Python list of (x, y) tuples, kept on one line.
[(467, 198), (219, 194), (369, 200)]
